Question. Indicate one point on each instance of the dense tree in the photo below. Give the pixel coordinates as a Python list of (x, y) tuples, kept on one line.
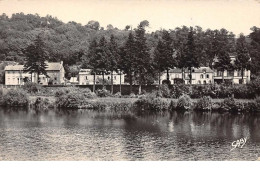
[(242, 61), (128, 58), (254, 50), (36, 57), (222, 63), (90, 62), (143, 70), (113, 57), (158, 60), (190, 57), (102, 58), (168, 53)]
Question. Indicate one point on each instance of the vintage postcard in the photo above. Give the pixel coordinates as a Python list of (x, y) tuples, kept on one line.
[(129, 80)]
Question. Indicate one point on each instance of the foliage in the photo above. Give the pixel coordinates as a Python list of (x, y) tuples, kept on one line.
[(204, 103), (36, 57), (184, 102), (242, 61), (151, 102), (15, 97), (73, 100), (86, 92), (103, 93), (32, 87), (165, 91)]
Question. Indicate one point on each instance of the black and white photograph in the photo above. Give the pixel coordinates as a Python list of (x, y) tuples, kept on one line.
[(130, 80)]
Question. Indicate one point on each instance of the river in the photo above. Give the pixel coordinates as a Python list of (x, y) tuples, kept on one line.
[(27, 134)]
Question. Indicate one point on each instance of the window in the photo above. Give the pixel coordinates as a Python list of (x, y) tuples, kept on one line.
[(204, 82), (86, 77), (55, 78), (209, 81), (219, 73), (108, 77), (207, 76), (240, 73), (115, 77), (201, 76), (199, 82), (230, 73)]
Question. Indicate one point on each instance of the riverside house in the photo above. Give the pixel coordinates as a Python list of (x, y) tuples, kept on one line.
[(15, 75), (232, 76), (86, 78), (202, 75)]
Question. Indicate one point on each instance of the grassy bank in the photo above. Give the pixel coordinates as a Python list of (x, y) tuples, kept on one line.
[(145, 103), (77, 98)]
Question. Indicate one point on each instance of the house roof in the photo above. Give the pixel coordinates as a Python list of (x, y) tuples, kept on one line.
[(54, 66), (196, 70), (14, 67), (50, 67)]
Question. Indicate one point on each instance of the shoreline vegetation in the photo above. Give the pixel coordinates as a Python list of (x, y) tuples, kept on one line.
[(36, 96)]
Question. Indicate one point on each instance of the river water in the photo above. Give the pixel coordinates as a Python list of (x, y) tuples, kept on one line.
[(88, 135)]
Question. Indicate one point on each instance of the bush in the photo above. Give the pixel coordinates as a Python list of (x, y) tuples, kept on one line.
[(165, 91), (184, 102), (179, 90), (42, 103), (172, 105), (204, 103), (118, 94), (15, 98), (72, 100), (32, 87), (151, 102), (229, 104), (242, 91), (102, 93)]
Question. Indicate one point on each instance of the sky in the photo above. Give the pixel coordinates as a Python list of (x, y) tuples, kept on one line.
[(237, 16)]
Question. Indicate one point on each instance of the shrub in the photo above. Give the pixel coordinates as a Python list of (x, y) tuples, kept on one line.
[(172, 105), (132, 95), (102, 93), (254, 85), (165, 91), (72, 100), (242, 91), (216, 106), (151, 102), (184, 102), (15, 98), (32, 87), (179, 90), (257, 103), (204, 103), (59, 92), (42, 103), (229, 104), (118, 94)]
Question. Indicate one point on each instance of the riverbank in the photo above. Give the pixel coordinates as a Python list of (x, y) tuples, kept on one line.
[(76, 98), (144, 103)]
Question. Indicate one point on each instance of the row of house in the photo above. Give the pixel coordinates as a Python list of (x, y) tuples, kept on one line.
[(15, 75)]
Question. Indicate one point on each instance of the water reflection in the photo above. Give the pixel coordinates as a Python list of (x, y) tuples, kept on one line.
[(88, 135)]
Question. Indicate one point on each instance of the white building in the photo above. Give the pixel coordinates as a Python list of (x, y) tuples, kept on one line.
[(86, 78), (15, 75), (233, 76), (202, 75)]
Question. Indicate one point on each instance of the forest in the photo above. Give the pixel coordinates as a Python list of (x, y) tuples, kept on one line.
[(132, 50)]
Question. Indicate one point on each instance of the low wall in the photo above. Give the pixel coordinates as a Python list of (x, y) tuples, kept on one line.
[(125, 88)]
